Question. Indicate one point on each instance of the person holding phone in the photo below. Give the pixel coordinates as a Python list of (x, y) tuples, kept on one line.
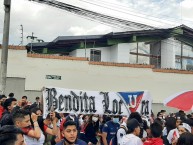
[(32, 132)]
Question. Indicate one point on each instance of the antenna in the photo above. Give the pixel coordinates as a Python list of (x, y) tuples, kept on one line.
[(21, 43), (181, 13), (33, 39)]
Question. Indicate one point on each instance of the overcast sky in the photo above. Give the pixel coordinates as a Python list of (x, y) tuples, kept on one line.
[(47, 22)]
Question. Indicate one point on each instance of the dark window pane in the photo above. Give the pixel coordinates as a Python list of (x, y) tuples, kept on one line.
[(95, 55)]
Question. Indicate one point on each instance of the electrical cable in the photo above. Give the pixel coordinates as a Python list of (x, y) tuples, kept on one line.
[(127, 8), (136, 15), (94, 15)]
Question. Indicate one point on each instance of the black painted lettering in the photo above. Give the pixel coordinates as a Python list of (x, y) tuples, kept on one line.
[(51, 99), (68, 106), (86, 102), (120, 103), (92, 104), (106, 102), (145, 108), (142, 107), (81, 104), (60, 100), (75, 101), (115, 106)]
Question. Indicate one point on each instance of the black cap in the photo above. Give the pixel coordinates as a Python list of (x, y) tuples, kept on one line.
[(132, 124)]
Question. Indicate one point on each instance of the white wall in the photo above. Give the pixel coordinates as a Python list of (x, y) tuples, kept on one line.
[(113, 54), (168, 53), (73, 53), (123, 53), (17, 86), (80, 53), (117, 53), (81, 75), (105, 53)]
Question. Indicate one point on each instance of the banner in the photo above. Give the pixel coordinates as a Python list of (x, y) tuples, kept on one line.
[(93, 102), (138, 102)]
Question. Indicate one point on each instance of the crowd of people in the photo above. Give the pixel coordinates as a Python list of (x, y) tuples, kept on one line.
[(21, 123)]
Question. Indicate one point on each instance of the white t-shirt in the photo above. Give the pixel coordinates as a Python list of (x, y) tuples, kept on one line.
[(33, 141), (164, 131), (173, 133), (121, 132), (131, 139)]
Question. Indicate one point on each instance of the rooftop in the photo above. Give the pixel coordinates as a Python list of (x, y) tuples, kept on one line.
[(66, 44)]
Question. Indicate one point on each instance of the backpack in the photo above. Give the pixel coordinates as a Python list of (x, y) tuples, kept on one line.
[(114, 139)]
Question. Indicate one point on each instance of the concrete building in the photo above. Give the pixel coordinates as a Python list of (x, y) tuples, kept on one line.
[(159, 61)]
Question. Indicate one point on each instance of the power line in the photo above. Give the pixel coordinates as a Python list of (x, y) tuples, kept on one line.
[(121, 10), (90, 19), (128, 9), (96, 16), (93, 15), (103, 19)]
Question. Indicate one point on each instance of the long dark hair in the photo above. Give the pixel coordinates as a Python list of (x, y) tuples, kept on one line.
[(170, 123), (136, 115), (185, 139)]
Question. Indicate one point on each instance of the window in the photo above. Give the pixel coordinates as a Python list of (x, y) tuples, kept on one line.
[(184, 56), (140, 53), (95, 55), (155, 54)]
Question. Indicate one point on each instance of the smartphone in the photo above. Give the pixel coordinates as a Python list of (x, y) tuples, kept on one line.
[(52, 109)]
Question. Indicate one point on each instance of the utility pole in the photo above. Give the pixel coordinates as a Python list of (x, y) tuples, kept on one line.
[(4, 52), (85, 47), (32, 38)]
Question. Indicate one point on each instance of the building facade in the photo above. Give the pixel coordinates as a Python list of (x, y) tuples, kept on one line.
[(159, 62)]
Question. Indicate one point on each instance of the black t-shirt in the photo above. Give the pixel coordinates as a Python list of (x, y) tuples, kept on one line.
[(6, 119)]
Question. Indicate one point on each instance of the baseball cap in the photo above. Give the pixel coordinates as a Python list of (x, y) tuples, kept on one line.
[(132, 124)]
